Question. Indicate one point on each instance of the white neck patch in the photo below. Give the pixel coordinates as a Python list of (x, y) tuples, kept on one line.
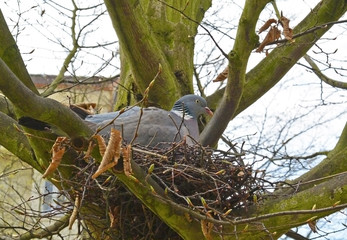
[(180, 113)]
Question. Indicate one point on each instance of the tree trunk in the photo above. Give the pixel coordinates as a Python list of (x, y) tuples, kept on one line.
[(152, 33)]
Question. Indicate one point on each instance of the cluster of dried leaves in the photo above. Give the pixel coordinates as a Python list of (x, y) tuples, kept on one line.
[(273, 34), (110, 155), (58, 150)]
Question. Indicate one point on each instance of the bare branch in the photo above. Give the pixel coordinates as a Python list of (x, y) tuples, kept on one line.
[(67, 61), (323, 77), (51, 230), (238, 59)]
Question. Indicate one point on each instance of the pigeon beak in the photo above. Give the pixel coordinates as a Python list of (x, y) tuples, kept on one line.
[(208, 111)]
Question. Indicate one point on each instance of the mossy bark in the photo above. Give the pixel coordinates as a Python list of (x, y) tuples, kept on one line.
[(238, 59), (152, 33)]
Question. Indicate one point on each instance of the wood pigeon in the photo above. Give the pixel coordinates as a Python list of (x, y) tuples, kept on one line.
[(157, 127)]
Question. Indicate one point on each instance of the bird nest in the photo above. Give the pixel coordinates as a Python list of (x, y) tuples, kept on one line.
[(203, 179)]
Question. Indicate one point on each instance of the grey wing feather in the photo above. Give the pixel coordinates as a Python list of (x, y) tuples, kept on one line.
[(102, 117), (156, 126)]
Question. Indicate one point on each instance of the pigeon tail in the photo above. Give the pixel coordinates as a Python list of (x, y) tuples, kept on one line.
[(34, 124)]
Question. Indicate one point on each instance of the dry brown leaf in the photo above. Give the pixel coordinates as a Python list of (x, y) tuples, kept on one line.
[(312, 225), (103, 169), (86, 106), (188, 217), (222, 76), (101, 144), (127, 160), (75, 210), (83, 109), (89, 151), (58, 150), (287, 31), (206, 228), (112, 153), (114, 216), (273, 34), (56, 159), (267, 24)]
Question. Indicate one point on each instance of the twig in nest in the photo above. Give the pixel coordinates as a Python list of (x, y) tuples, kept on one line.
[(127, 160), (76, 207)]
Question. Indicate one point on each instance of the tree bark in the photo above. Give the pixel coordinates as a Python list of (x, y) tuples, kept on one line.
[(152, 33), (238, 59)]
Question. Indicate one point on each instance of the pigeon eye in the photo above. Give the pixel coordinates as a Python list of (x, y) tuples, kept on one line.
[(197, 101)]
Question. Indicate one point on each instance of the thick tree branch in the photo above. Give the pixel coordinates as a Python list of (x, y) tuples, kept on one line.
[(197, 22), (153, 32), (324, 195), (44, 109), (142, 51), (335, 162), (6, 107), (16, 142), (48, 231), (174, 215), (238, 59)]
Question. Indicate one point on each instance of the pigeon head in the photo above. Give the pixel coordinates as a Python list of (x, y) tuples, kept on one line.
[(192, 106)]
